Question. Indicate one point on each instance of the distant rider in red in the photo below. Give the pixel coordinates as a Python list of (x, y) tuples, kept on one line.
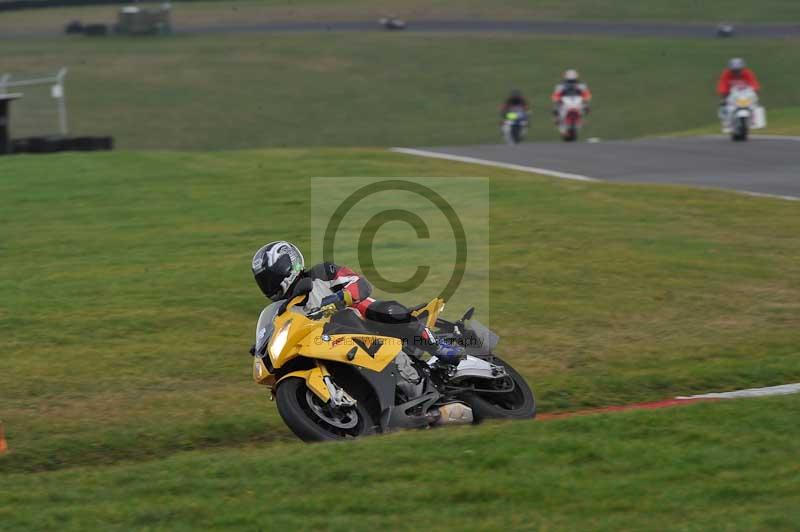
[(736, 74)]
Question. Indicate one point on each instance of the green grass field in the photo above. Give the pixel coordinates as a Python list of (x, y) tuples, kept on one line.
[(721, 466), (194, 14), (127, 306), (379, 89)]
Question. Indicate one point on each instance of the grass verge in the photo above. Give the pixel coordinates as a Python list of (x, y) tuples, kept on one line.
[(729, 465), (127, 306)]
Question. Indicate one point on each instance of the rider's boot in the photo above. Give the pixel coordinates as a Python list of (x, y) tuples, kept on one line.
[(449, 353)]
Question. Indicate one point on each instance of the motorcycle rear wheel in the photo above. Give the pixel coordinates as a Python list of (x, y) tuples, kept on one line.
[(517, 404), (311, 420)]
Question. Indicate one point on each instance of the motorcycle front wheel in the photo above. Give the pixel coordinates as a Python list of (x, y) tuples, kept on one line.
[(516, 133), (741, 130), (313, 420), (519, 403)]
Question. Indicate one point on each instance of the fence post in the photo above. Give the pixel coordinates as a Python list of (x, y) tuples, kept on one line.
[(62, 105)]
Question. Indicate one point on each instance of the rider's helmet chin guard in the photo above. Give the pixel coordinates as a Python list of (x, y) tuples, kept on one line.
[(276, 266)]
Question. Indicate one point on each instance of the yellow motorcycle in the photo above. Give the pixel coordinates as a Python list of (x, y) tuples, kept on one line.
[(334, 379)]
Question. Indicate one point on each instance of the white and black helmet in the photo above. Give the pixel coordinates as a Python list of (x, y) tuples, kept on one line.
[(737, 63), (275, 267)]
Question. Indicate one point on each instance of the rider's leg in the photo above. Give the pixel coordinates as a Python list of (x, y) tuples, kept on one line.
[(722, 113), (410, 382)]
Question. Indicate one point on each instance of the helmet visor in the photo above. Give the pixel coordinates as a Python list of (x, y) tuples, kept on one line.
[(270, 279), (269, 284)]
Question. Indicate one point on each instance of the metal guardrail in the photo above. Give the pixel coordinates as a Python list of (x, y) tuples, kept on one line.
[(56, 83)]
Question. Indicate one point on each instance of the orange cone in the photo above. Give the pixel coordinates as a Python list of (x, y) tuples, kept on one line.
[(3, 443)]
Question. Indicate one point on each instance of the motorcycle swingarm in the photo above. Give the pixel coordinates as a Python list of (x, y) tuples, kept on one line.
[(384, 384), (395, 417)]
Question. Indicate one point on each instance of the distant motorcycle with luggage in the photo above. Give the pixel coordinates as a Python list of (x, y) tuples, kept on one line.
[(742, 113)]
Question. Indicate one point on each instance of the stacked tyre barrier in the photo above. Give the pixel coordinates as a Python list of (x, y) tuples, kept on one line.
[(57, 144)]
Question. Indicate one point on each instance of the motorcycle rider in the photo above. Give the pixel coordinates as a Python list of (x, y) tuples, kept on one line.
[(736, 74), (515, 100), (570, 85), (279, 270)]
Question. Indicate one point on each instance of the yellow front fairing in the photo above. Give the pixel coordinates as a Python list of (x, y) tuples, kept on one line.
[(296, 335), (366, 350), (315, 380), (261, 374)]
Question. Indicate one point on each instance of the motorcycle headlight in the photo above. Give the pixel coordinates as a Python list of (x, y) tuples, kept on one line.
[(512, 116), (743, 102), (278, 342)]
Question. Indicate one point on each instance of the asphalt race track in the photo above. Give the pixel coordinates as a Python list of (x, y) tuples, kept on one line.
[(631, 29), (761, 165)]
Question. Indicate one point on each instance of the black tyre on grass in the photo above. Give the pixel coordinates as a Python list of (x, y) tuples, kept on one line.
[(313, 420), (519, 403)]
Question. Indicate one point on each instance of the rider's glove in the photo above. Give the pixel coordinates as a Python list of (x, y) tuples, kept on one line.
[(334, 302)]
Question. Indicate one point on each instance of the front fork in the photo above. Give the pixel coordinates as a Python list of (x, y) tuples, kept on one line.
[(319, 381)]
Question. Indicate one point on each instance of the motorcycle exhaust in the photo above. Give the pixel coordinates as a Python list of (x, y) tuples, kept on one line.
[(454, 414)]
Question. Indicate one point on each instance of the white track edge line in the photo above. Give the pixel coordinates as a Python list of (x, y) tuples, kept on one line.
[(754, 136), (774, 196), (486, 162), (783, 389), (565, 175)]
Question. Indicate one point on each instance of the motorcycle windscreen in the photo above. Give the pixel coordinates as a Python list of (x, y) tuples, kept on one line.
[(482, 341), (265, 326)]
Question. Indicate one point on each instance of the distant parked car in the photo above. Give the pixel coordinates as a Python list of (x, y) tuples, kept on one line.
[(725, 30), (73, 27), (392, 23)]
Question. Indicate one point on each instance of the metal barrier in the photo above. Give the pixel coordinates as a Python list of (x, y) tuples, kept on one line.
[(35, 85)]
